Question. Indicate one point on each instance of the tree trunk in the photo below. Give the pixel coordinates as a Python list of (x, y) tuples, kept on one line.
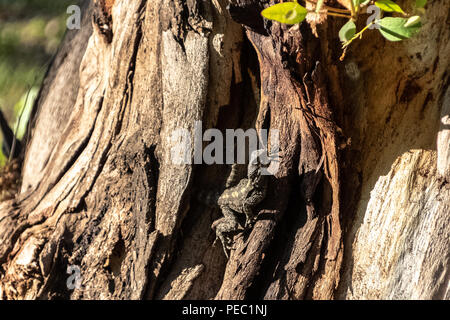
[(358, 209)]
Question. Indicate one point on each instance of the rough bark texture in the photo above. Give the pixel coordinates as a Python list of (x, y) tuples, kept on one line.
[(358, 209)]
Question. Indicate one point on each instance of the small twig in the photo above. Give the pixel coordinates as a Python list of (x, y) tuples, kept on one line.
[(353, 10), (343, 54), (339, 15), (358, 35), (330, 14), (336, 9)]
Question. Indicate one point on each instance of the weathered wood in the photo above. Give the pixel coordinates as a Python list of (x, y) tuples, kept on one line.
[(55, 101), (401, 248), (443, 140)]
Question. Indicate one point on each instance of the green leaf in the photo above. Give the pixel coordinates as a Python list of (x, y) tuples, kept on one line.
[(24, 107), (288, 12), (414, 20), (421, 3), (389, 6), (347, 31), (397, 29)]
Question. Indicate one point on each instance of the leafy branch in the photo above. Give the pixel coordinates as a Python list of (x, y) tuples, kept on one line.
[(391, 28)]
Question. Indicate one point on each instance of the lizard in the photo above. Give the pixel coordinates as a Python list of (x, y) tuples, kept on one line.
[(241, 199)]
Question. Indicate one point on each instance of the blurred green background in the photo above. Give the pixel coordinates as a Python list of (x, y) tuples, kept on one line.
[(30, 33)]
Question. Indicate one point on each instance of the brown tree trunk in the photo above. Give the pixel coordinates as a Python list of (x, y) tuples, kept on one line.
[(358, 209)]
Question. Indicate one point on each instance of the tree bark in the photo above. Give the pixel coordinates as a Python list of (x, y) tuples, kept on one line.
[(358, 209)]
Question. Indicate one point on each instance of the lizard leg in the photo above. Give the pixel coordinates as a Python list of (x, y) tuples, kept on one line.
[(225, 225), (248, 216), (217, 226), (248, 206)]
